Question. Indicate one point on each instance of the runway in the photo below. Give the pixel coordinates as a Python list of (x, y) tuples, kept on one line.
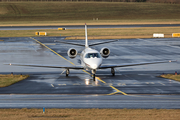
[(132, 87), (91, 101), (82, 26)]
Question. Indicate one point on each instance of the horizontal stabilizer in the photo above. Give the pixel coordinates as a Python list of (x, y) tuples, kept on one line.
[(98, 43), (69, 43)]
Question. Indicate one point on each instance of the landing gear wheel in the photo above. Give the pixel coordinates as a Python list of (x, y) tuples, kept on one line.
[(67, 72), (113, 71)]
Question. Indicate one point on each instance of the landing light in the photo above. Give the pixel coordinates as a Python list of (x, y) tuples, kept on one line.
[(87, 81), (96, 82)]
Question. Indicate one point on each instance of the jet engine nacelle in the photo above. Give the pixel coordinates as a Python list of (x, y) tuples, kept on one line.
[(72, 53), (105, 52)]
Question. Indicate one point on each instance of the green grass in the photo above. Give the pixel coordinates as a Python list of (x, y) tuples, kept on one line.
[(7, 80), (171, 76), (98, 33), (62, 11)]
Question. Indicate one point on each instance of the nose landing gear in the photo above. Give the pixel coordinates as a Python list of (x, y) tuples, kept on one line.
[(94, 76)]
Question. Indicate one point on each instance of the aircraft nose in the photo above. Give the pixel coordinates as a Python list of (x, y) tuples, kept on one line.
[(94, 66)]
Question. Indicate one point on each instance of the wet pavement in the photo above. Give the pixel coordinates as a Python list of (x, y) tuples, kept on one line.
[(91, 101), (128, 83)]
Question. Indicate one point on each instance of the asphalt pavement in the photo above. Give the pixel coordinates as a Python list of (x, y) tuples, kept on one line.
[(132, 87)]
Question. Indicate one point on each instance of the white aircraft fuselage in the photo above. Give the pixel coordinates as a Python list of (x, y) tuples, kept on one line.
[(90, 59)]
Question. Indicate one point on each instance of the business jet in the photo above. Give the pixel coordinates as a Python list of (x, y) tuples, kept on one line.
[(91, 59)]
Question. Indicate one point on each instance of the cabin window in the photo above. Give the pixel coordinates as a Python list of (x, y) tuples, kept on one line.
[(92, 55)]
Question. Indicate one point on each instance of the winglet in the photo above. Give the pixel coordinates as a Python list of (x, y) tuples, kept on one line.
[(86, 39), (172, 60)]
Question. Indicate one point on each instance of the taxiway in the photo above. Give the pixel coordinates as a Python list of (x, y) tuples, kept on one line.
[(132, 87)]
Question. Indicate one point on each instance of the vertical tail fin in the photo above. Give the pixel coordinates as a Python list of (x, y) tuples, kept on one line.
[(86, 39)]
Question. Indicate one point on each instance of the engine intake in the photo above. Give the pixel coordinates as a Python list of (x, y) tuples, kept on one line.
[(105, 52), (72, 53)]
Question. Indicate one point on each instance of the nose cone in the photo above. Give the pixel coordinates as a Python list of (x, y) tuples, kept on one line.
[(94, 66)]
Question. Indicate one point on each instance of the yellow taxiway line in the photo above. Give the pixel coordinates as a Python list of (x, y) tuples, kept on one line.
[(117, 91), (52, 50)]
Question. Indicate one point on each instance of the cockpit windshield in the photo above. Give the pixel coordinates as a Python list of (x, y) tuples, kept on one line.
[(93, 55)]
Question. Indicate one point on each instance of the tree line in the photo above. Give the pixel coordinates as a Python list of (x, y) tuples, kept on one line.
[(165, 1)]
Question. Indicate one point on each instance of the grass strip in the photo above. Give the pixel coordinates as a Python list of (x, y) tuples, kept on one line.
[(91, 114), (90, 22), (35, 13), (55, 11), (98, 33), (7, 80), (171, 76)]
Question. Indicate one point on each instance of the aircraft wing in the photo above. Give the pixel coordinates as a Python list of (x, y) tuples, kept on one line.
[(47, 66), (133, 64)]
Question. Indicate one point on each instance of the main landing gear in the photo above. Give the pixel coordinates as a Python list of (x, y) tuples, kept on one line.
[(67, 72), (113, 71)]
